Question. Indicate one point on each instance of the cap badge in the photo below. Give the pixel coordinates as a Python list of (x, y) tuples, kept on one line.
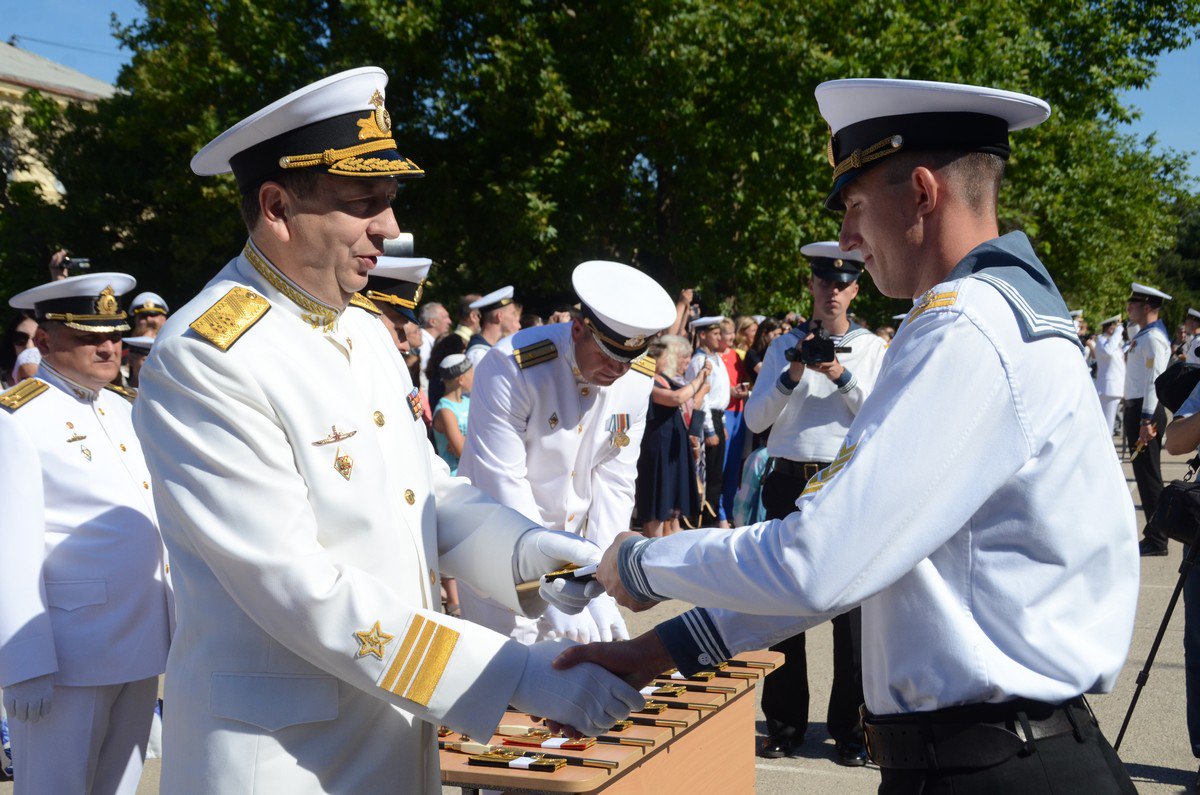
[(378, 124), (106, 302), (837, 263)]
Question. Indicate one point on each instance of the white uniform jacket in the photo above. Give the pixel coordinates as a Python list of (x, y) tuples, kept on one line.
[(1191, 349), (1110, 364), (809, 422), (307, 519), (84, 590), (1149, 355), (952, 515)]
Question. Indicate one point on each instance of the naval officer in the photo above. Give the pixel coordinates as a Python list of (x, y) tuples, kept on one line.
[(1144, 419), (86, 616), (952, 512), (557, 417), (306, 514), (149, 312), (1110, 368)]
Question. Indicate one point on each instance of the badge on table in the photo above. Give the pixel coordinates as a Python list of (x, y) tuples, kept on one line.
[(617, 426), (371, 641)]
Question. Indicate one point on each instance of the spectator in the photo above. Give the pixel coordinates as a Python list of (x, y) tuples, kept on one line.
[(20, 357), (529, 320), (709, 344), (666, 477), (435, 321), (735, 432), (767, 330), (450, 413), (747, 328)]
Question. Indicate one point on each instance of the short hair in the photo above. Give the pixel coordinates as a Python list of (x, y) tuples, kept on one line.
[(727, 324), (427, 312), (301, 183), (464, 305), (674, 349), (977, 175)]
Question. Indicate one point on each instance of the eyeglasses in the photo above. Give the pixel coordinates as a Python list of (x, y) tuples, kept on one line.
[(20, 338)]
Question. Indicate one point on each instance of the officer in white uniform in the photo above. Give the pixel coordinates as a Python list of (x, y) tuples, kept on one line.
[(498, 319), (306, 514), (149, 312), (808, 410), (1148, 356), (952, 514), (86, 622), (707, 331), (1110, 368), (393, 292), (557, 417)]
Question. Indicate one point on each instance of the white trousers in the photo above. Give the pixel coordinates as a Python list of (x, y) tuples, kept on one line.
[(1109, 405), (93, 742)]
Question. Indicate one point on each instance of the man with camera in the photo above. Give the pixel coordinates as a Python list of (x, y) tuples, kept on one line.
[(826, 368)]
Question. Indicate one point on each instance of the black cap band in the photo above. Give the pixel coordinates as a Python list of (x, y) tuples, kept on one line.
[(616, 345)]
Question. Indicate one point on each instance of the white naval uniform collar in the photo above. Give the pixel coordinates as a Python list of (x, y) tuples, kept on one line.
[(53, 377), (284, 293)]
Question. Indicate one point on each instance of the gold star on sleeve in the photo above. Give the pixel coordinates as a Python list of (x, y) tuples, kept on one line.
[(372, 641)]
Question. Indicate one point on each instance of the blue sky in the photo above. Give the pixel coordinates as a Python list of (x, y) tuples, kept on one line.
[(1170, 106)]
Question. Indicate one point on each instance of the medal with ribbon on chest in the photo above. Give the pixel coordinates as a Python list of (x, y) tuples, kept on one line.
[(618, 426)]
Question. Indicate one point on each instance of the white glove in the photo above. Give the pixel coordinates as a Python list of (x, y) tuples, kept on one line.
[(609, 622), (30, 700), (542, 551), (579, 627), (586, 697)]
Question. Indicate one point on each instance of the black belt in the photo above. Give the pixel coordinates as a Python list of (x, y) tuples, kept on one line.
[(974, 736), (797, 469)]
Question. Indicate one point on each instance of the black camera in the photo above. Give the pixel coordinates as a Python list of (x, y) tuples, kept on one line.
[(818, 350), (76, 263)]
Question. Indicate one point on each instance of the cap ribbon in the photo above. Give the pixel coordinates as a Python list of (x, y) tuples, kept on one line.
[(331, 156), (860, 157)]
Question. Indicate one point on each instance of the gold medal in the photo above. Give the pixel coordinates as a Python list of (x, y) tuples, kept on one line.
[(621, 439)]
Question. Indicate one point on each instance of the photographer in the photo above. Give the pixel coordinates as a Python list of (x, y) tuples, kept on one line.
[(826, 369)]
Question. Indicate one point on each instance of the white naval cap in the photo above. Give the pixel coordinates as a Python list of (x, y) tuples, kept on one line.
[(148, 304), (85, 303), (1107, 320), (900, 316), (1142, 292), (871, 118), (398, 281), (493, 300), (453, 366), (1193, 312), (337, 125), (829, 261), (141, 343), (622, 306), (705, 323), (1076, 313)]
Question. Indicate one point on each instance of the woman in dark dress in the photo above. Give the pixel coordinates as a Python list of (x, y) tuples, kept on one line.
[(666, 481)]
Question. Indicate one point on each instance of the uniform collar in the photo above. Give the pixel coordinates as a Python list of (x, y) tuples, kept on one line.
[(285, 293), (1159, 324), (55, 378)]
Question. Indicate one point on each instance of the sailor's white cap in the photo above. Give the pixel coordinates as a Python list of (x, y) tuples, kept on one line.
[(148, 304), (1141, 291), (1107, 320), (86, 303), (622, 306), (830, 261), (872, 118), (1076, 313), (453, 366), (1193, 312), (706, 322), (494, 300), (337, 125), (141, 343)]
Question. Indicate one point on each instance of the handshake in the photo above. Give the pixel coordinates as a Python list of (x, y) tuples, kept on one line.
[(583, 689)]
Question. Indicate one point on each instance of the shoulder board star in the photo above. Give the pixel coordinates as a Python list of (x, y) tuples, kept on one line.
[(22, 393), (646, 365), (362, 302), (123, 391), (537, 353), (228, 319)]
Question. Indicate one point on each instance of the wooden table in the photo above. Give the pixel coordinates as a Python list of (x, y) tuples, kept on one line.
[(713, 752)]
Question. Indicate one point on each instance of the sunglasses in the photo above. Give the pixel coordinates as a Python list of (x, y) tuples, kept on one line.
[(20, 338)]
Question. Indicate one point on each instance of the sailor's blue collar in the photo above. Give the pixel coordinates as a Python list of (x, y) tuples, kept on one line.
[(1159, 324)]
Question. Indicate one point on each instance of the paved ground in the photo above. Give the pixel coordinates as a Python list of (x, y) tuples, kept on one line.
[(1155, 749)]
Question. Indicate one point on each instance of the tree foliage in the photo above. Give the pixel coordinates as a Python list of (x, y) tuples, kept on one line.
[(678, 135)]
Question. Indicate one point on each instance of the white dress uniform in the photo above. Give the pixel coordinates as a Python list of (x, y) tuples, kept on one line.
[(308, 521), (717, 398), (85, 585), (1110, 373), (1148, 356), (951, 514)]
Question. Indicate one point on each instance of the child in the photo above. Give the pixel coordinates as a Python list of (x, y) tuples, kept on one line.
[(450, 413)]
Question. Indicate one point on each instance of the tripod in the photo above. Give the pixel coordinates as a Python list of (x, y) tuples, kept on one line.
[(1185, 568)]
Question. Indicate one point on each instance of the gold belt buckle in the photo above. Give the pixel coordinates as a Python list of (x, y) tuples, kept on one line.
[(810, 470)]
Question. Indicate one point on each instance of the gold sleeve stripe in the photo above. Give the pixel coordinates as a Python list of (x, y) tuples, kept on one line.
[(420, 660), (362, 302), (537, 353), (231, 317), (22, 393), (822, 478), (645, 365)]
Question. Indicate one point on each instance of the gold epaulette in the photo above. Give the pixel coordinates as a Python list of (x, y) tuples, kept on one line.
[(123, 391), (537, 353), (231, 317), (22, 393), (644, 364), (362, 302), (932, 300)]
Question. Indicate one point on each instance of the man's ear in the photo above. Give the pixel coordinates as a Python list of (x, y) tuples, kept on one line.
[(577, 330), (41, 340), (926, 191), (275, 204)]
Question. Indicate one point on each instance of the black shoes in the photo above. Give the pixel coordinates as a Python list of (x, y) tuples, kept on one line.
[(851, 755), (779, 745), (1151, 549)]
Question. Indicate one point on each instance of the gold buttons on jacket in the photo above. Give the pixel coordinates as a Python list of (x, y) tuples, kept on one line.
[(583, 390), (432, 577), (167, 569), (410, 497), (145, 485), (122, 448), (99, 409), (379, 420), (580, 429)]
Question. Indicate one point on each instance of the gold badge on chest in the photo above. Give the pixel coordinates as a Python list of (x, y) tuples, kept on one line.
[(86, 452), (75, 436), (618, 425), (334, 436), (343, 463), (554, 420)]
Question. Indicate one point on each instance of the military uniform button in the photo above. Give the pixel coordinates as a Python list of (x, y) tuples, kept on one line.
[(410, 497), (580, 429), (585, 391), (432, 577), (704, 659), (122, 448), (167, 568), (379, 420), (145, 485), (572, 473), (99, 409)]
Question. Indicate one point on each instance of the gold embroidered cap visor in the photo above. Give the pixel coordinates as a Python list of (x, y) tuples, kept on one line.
[(337, 126), (871, 119), (84, 303)]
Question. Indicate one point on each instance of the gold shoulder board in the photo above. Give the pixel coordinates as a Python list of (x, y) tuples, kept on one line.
[(362, 302), (644, 365), (22, 393), (123, 391), (231, 317), (536, 353)]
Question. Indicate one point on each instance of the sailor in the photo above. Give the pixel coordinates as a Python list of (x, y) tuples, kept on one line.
[(86, 622), (952, 512), (136, 351), (1110, 368), (557, 417), (309, 516), (707, 332), (808, 409), (498, 318), (149, 312), (1144, 419)]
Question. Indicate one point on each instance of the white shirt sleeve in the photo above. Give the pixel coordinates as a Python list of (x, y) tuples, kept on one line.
[(769, 397)]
